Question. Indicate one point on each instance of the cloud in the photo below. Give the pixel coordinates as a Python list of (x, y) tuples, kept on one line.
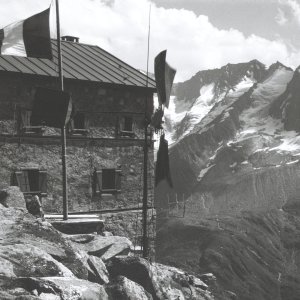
[(294, 7), (280, 18), (193, 42)]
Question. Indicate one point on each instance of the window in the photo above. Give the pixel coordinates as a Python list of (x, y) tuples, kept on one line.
[(79, 124), (106, 181), (126, 126), (31, 181), (25, 125)]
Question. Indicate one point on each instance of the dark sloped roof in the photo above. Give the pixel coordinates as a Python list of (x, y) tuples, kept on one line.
[(82, 62)]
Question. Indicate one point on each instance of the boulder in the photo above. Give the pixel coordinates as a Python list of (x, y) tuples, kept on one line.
[(177, 284), (133, 268), (19, 227), (80, 238), (8, 296), (208, 277), (104, 247), (69, 288), (14, 197), (162, 282), (12, 289), (107, 233), (27, 260), (47, 296), (124, 289), (6, 268), (99, 270), (53, 288)]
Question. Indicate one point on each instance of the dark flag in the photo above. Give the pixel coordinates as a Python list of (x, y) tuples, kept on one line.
[(51, 108), (164, 76), (29, 37), (162, 167)]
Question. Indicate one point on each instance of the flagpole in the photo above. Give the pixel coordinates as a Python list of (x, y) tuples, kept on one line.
[(63, 129), (145, 177)]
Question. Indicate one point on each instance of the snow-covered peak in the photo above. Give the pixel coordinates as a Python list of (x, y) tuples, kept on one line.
[(196, 97)]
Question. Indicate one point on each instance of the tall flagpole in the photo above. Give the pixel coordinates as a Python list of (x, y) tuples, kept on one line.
[(63, 129), (145, 177)]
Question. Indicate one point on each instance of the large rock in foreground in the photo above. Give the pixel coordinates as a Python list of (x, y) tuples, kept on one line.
[(105, 247), (20, 227), (27, 260), (14, 197), (162, 282), (38, 262), (54, 288), (123, 288)]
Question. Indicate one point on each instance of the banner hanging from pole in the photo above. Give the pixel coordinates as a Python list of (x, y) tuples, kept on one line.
[(164, 76), (51, 108)]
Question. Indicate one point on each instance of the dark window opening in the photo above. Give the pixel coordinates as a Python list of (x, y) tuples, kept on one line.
[(31, 181), (106, 181), (79, 124), (25, 124), (126, 126)]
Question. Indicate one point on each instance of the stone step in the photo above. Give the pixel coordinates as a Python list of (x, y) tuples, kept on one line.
[(76, 224), (60, 217)]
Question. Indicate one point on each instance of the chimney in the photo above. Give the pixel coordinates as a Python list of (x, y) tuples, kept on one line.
[(69, 38)]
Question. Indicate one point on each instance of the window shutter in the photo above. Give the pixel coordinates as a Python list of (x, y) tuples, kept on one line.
[(122, 123), (71, 125), (128, 123), (13, 179), (23, 114), (86, 122), (27, 117), (22, 180), (118, 180), (134, 125), (117, 126), (99, 181), (43, 182)]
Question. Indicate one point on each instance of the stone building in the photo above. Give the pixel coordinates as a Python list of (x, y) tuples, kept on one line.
[(105, 139)]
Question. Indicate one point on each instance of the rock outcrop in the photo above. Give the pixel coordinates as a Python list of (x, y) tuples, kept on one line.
[(239, 156), (237, 169), (253, 255), (39, 262)]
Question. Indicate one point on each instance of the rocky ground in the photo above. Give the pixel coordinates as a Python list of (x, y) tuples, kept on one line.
[(39, 262), (253, 255), (234, 160)]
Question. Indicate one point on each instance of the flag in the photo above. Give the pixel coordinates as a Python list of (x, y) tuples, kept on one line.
[(52, 108), (164, 76), (162, 166), (29, 37)]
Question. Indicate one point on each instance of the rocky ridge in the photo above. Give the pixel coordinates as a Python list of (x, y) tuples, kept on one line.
[(237, 169), (39, 262), (239, 144)]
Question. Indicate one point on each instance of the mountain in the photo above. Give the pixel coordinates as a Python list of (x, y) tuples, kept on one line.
[(232, 128), (194, 98), (234, 209)]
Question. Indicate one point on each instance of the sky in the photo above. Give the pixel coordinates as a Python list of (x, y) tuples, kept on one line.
[(198, 34)]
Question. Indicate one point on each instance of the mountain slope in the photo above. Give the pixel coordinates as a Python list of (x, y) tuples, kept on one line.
[(236, 128), (197, 96), (253, 255), (235, 206)]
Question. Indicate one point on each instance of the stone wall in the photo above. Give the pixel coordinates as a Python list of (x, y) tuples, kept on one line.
[(103, 105), (81, 161), (99, 102)]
